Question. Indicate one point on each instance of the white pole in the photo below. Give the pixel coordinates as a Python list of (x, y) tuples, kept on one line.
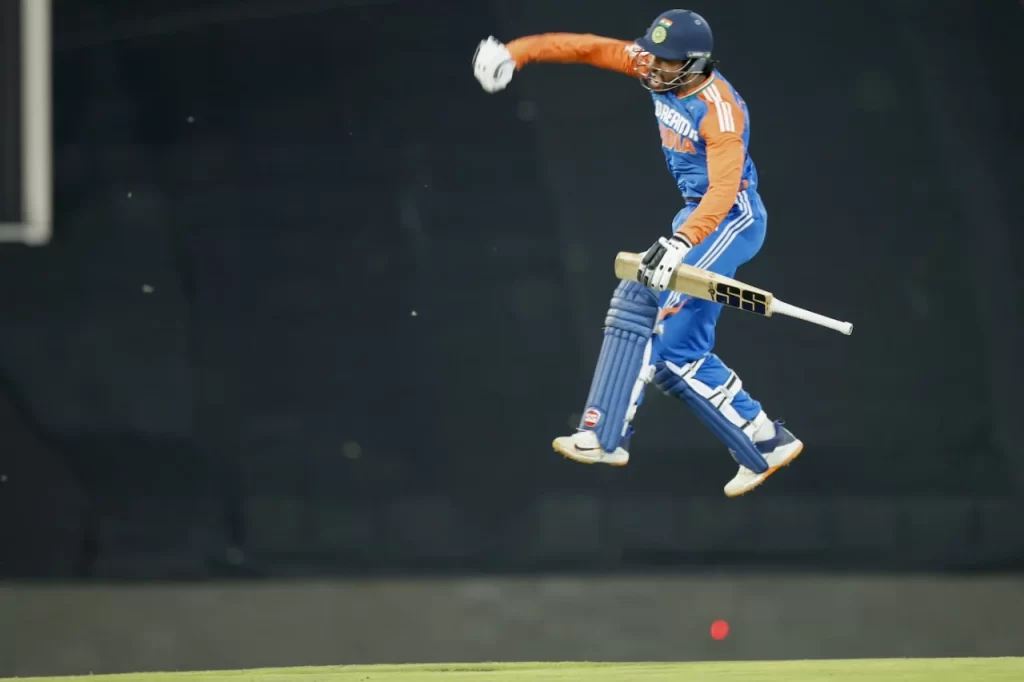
[(36, 121)]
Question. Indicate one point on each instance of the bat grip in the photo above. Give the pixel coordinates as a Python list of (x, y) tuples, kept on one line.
[(781, 308)]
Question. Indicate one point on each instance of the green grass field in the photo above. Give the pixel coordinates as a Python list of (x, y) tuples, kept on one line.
[(877, 670)]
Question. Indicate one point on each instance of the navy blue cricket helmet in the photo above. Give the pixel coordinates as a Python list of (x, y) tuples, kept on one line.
[(678, 35)]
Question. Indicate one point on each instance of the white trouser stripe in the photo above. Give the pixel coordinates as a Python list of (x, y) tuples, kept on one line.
[(720, 247), (725, 237), (738, 224)]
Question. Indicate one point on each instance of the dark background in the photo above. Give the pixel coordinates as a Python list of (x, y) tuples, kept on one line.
[(10, 111), (317, 304)]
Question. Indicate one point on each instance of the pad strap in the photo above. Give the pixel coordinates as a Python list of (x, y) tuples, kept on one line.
[(713, 406)]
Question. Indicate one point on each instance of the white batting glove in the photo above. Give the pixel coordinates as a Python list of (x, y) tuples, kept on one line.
[(661, 260), (493, 65)]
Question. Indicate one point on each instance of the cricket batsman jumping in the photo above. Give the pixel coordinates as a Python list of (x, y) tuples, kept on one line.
[(651, 334)]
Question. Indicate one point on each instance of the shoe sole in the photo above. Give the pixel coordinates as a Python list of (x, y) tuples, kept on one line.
[(764, 477), (571, 454)]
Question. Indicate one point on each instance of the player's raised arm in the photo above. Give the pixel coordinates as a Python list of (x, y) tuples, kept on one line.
[(494, 62), (569, 48), (722, 130)]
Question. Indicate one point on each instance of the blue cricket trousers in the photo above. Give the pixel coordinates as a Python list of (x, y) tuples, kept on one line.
[(686, 330)]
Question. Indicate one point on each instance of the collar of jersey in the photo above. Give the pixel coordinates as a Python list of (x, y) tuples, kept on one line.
[(705, 84)]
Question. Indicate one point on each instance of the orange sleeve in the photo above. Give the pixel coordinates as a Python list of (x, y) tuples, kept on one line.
[(574, 48), (722, 130)]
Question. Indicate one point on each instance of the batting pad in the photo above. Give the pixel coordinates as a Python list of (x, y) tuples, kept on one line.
[(625, 353), (713, 406)]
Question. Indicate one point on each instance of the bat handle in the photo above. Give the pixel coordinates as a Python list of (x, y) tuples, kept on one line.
[(781, 308)]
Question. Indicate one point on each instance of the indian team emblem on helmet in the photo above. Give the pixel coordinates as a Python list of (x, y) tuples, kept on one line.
[(659, 34)]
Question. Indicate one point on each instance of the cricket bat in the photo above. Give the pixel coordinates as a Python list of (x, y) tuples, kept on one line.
[(729, 292)]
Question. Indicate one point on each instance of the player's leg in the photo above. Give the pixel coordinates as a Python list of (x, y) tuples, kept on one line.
[(686, 367), (715, 394), (623, 370)]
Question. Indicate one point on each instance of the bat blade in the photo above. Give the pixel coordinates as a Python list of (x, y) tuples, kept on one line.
[(704, 284)]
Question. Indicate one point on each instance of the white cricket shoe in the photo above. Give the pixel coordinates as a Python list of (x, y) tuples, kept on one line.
[(584, 447), (778, 451)]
